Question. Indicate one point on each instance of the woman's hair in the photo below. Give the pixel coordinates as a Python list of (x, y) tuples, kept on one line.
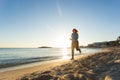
[(75, 30)]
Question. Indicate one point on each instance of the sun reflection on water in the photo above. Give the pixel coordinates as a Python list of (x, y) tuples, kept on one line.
[(65, 53)]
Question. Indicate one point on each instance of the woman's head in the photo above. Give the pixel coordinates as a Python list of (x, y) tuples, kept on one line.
[(74, 30)]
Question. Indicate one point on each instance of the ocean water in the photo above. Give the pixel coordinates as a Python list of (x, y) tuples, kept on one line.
[(18, 56)]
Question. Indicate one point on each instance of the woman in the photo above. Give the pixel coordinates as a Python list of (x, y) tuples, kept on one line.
[(75, 42)]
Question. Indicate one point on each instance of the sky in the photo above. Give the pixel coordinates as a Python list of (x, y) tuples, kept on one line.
[(35, 23)]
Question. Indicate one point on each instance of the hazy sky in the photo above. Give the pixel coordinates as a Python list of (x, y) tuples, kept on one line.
[(33, 23)]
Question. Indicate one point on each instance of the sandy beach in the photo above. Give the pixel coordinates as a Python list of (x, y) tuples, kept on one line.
[(104, 65), (17, 73), (14, 74)]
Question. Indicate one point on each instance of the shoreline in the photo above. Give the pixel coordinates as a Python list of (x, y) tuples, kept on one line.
[(30, 61), (26, 65), (64, 68)]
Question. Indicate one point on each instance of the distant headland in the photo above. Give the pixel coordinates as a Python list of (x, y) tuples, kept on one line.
[(44, 47), (106, 43)]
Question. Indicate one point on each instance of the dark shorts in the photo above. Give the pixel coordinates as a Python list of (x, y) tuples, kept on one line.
[(75, 44)]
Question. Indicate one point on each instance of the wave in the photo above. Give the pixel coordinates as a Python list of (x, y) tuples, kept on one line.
[(15, 62)]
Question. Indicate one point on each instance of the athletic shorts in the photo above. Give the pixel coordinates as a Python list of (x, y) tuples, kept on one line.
[(75, 44)]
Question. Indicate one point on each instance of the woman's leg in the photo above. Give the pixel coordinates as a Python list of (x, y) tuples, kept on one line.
[(72, 49), (78, 47)]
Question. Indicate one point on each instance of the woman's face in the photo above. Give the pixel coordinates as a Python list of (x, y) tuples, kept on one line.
[(73, 31)]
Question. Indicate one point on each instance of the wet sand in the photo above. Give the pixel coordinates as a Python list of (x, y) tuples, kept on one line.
[(98, 66)]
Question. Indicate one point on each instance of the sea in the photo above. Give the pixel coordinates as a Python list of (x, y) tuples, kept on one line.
[(10, 57)]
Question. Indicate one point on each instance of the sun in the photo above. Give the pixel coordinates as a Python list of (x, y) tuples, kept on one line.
[(62, 41)]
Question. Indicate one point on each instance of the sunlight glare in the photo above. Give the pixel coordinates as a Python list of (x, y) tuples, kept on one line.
[(65, 53), (62, 41)]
